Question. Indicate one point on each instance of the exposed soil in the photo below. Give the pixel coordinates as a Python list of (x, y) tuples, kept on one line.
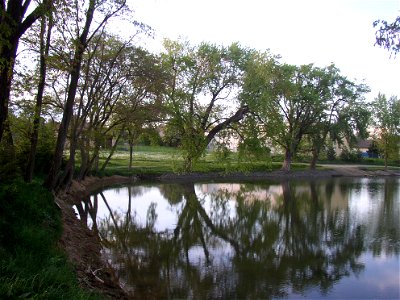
[(83, 246)]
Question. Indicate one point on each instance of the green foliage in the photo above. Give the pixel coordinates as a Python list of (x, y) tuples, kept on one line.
[(193, 147), (373, 149), (252, 147), (9, 169), (295, 102), (31, 264), (200, 93), (350, 156), (330, 153), (387, 121), (222, 154), (149, 137)]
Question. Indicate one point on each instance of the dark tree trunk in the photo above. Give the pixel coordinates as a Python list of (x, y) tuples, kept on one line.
[(8, 56), (53, 175), (13, 26), (54, 172), (287, 161), (93, 165), (84, 149), (237, 117), (68, 174), (130, 156), (44, 53), (313, 163)]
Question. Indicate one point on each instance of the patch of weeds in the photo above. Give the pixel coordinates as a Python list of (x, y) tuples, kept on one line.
[(31, 264)]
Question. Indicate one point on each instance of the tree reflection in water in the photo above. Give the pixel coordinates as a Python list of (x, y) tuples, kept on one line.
[(264, 245)]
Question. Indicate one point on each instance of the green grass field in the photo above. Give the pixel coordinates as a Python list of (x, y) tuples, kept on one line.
[(159, 160)]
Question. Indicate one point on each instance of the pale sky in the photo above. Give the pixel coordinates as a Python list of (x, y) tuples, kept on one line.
[(301, 31)]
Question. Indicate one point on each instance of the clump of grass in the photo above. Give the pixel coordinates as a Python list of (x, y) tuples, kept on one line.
[(31, 264)]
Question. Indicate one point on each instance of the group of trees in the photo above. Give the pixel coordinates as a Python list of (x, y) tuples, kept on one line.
[(89, 85)]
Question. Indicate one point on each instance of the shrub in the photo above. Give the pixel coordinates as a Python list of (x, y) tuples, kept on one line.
[(350, 156), (331, 153)]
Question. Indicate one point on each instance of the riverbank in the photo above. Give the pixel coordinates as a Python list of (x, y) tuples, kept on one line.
[(83, 245)]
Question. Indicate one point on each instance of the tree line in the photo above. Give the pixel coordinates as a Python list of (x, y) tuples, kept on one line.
[(84, 83)]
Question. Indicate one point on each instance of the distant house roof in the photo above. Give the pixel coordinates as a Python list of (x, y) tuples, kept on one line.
[(364, 144)]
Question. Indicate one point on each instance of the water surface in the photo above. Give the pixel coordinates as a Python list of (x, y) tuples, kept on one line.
[(330, 238)]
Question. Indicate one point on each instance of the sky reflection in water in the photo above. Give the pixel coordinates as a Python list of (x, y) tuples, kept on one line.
[(313, 239)]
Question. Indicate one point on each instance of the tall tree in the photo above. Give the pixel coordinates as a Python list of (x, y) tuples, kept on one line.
[(44, 48), (202, 92), (81, 37), (345, 116), (286, 100), (387, 122), (297, 102), (14, 22)]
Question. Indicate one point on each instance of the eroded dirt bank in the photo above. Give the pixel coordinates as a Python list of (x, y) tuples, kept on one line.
[(83, 246)]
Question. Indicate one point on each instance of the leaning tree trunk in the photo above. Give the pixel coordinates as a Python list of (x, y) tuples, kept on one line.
[(53, 175), (113, 148)]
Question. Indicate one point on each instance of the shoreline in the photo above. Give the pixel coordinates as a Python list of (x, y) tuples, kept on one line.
[(83, 246)]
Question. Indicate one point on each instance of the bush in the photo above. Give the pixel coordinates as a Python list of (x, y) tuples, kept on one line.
[(350, 156), (330, 153)]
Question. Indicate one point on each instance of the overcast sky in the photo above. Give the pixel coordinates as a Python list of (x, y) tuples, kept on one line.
[(301, 31)]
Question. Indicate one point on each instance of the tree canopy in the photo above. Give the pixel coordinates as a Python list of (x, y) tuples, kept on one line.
[(201, 97), (387, 123), (292, 102)]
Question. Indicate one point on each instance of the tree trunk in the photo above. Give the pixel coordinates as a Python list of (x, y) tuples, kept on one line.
[(94, 161), (8, 55), (130, 156), (54, 172), (386, 155), (287, 161), (13, 26), (50, 182), (68, 174), (112, 151), (84, 160), (44, 53), (313, 163)]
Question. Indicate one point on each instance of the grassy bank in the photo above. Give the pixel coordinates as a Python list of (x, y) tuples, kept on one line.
[(31, 264)]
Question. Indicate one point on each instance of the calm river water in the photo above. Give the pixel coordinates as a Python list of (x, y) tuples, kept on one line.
[(328, 238)]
